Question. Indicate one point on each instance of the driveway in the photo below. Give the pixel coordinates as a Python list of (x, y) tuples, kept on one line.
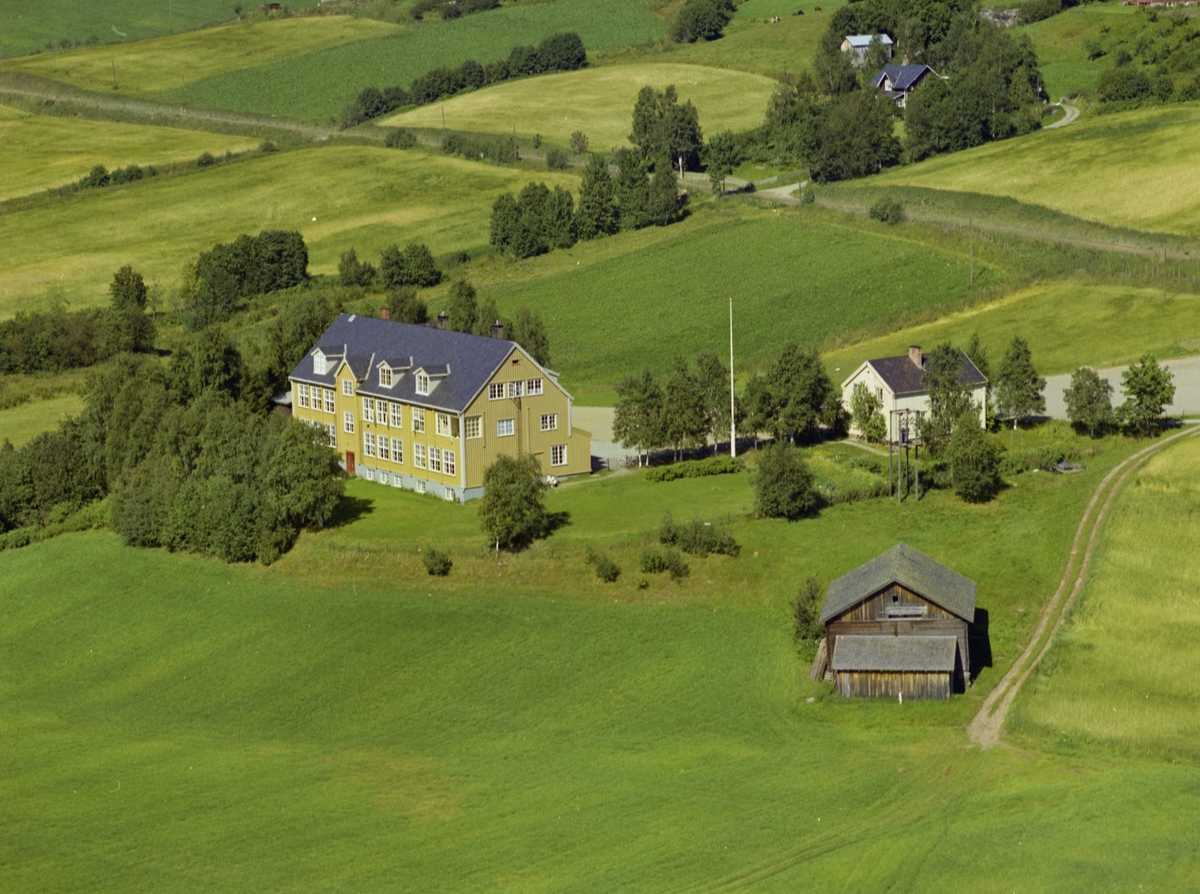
[(1070, 113), (599, 420), (1186, 371)]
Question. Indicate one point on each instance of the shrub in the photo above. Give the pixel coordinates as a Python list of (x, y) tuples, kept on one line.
[(1122, 84), (669, 561), (696, 468), (702, 20), (498, 150), (698, 538), (888, 210), (400, 138), (806, 612), (353, 272), (974, 460), (268, 147), (783, 484), (205, 160), (579, 142), (96, 177), (437, 563), (557, 160), (606, 569)]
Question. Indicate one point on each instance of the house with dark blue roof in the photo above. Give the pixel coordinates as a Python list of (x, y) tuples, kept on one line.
[(898, 81), (428, 409)]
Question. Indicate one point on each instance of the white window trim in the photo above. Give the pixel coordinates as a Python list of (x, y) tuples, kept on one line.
[(512, 428), (330, 400), (435, 460), (319, 367), (549, 422), (397, 450), (302, 395), (496, 391), (397, 415), (478, 427), (385, 447), (448, 462), (533, 386), (348, 423), (418, 456), (348, 387), (385, 376), (418, 419), (422, 383), (368, 444), (368, 409), (562, 457)]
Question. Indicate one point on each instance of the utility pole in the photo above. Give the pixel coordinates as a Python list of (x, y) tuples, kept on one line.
[(971, 244), (732, 411)]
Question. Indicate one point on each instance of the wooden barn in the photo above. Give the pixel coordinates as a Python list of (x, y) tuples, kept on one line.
[(898, 625)]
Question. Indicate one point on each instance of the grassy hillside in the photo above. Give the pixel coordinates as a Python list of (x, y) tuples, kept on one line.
[(252, 728), (1123, 669), (365, 197), (23, 422), (38, 152), (1132, 169), (152, 66), (1067, 324), (613, 316), (599, 102), (317, 85)]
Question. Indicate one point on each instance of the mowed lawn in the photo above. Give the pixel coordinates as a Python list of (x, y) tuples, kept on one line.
[(1134, 169), (40, 152), (336, 196), (317, 85), (1123, 672), (1067, 324), (598, 102), (152, 66), (176, 723), (639, 308)]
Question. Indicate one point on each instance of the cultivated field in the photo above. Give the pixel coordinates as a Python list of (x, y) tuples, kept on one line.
[(1067, 324), (343, 715), (599, 102), (1133, 169), (153, 66), (317, 85), (39, 152), (1123, 672), (362, 197)]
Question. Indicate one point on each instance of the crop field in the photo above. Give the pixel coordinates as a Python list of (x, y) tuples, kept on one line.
[(1123, 673), (337, 196), (599, 102), (608, 319), (317, 85), (1144, 159), (153, 66), (251, 728), (39, 152), (1067, 324)]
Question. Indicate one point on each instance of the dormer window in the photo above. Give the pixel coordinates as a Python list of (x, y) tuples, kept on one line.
[(422, 382), (385, 376), (319, 363)]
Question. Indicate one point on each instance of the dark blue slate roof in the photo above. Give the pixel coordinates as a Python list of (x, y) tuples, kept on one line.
[(459, 365), (902, 77)]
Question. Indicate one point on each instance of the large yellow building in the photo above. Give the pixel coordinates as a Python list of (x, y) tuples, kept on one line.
[(429, 409)]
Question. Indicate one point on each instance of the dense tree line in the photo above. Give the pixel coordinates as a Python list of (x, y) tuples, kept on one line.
[(223, 278), (466, 313), (558, 52), (57, 340), (450, 9)]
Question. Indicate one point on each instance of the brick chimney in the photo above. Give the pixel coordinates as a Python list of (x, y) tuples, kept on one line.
[(914, 354), (497, 329), (443, 320)]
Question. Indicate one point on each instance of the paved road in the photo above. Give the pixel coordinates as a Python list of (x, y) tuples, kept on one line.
[(1071, 114), (1186, 371)]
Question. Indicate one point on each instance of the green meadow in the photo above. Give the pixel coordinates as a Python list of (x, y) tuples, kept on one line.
[(317, 85), (359, 196), (1067, 324), (1133, 169), (342, 721), (149, 67), (25, 421), (1122, 674), (597, 101), (40, 152)]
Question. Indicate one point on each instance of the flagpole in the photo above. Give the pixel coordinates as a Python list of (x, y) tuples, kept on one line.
[(732, 413)]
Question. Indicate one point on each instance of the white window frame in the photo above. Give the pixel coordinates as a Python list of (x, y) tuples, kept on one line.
[(418, 456), (422, 383), (397, 415), (418, 419), (474, 427), (397, 450), (302, 395), (330, 401), (516, 389), (348, 423), (368, 409), (420, 486), (384, 447), (381, 411), (319, 367), (496, 391), (558, 455), (385, 376), (368, 444), (348, 387), (369, 474), (448, 462), (533, 386), (435, 460), (330, 433), (549, 422), (505, 428), (443, 425)]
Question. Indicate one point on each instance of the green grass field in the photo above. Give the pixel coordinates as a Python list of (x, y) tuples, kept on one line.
[(25, 421), (31, 24), (1132, 169), (39, 152), (317, 85), (1067, 324), (611, 317), (341, 720), (1123, 672), (1059, 42), (153, 66), (360, 196), (599, 102)]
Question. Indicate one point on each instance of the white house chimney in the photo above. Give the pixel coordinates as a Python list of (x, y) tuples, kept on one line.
[(914, 354)]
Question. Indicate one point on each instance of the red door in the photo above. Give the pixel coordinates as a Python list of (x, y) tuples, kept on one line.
[(349, 462)]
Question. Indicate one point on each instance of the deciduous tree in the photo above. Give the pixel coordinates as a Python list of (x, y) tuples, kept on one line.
[(638, 419), (974, 460), (1149, 388), (1089, 401), (512, 513), (1019, 388), (783, 484)]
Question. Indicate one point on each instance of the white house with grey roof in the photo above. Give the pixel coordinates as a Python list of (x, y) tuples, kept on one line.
[(857, 45)]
